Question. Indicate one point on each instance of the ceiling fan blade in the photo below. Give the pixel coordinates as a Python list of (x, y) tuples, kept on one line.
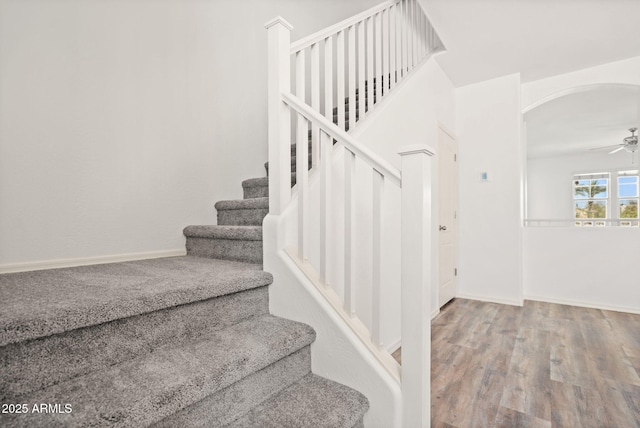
[(616, 150), (606, 147)]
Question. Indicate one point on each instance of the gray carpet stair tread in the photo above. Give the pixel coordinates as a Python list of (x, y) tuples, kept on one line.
[(256, 182), (313, 402), (146, 390), (244, 233), (41, 303), (243, 204)]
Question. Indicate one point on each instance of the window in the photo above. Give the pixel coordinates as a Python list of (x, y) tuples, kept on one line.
[(628, 197), (606, 198), (591, 195)]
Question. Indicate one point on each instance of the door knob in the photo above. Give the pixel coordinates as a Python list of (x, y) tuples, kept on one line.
[(443, 227)]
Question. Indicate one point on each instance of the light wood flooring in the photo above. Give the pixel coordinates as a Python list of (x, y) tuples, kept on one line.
[(541, 365)]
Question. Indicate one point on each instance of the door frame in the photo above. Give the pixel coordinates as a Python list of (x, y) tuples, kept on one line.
[(436, 295)]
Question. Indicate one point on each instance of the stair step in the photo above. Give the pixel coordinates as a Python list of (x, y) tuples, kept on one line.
[(143, 391), (259, 187), (59, 300), (242, 212), (239, 243), (255, 188), (117, 312), (313, 402), (238, 399)]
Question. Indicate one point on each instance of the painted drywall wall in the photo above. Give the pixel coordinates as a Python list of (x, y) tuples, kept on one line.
[(592, 267), (549, 181), (558, 265), (626, 71), (488, 123), (123, 122)]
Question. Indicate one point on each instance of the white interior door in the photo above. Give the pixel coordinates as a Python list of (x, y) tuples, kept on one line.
[(448, 228)]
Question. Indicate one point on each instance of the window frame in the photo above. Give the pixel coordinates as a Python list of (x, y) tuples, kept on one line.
[(592, 176), (636, 198), (612, 200)]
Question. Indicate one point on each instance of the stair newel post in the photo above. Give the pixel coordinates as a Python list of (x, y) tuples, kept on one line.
[(279, 120), (416, 267)]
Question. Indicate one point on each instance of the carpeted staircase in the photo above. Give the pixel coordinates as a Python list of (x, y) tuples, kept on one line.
[(175, 342)]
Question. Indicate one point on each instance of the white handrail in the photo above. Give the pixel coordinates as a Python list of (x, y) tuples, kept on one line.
[(376, 162), (330, 31)]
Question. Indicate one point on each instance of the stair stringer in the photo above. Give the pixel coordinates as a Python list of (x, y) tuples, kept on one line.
[(337, 354)]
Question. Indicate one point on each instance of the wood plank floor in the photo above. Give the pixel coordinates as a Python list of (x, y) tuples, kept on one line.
[(540, 365)]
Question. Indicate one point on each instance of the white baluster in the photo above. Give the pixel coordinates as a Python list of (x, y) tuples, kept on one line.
[(302, 158), (385, 49), (279, 81), (420, 31), (349, 173), (405, 38), (410, 34), (434, 42), (414, 30), (417, 265), (326, 147), (361, 70), (376, 259), (315, 101), (340, 75), (393, 41), (328, 78), (430, 38), (351, 35), (370, 70), (420, 34), (378, 56), (425, 27)]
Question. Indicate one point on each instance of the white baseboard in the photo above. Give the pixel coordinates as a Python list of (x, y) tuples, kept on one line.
[(512, 302), (63, 263), (435, 313), (572, 302)]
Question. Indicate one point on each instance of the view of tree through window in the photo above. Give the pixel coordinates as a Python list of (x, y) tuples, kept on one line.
[(591, 197)]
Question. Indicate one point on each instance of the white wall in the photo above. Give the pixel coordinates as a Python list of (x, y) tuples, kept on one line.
[(626, 71), (592, 267), (588, 267), (123, 122), (488, 124), (549, 180)]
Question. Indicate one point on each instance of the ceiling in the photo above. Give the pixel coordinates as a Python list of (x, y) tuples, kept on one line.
[(577, 122), (537, 38)]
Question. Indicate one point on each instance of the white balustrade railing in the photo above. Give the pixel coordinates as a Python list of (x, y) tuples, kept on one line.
[(340, 75), (345, 70), (586, 223)]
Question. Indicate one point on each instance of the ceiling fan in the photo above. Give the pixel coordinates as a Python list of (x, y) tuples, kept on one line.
[(629, 144)]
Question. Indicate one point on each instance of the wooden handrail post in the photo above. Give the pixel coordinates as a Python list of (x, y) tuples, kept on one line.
[(417, 263), (279, 122)]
